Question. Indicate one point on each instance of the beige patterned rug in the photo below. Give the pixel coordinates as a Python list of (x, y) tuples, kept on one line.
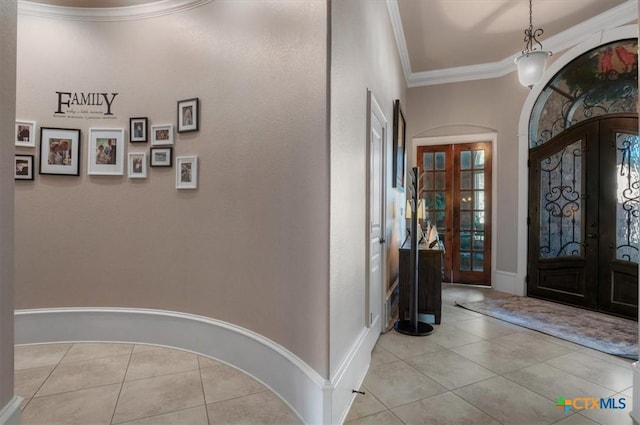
[(609, 334)]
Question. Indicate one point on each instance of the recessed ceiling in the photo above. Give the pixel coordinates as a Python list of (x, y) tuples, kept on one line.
[(439, 40), (94, 3), (105, 10), (452, 33)]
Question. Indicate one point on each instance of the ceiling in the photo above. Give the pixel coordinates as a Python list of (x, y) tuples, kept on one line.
[(450, 33), (94, 3), (457, 40)]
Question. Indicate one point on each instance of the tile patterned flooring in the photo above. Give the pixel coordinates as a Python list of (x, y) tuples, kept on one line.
[(472, 370), (89, 384), (478, 370)]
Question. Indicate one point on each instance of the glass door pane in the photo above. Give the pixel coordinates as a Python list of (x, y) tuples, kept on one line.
[(561, 212), (457, 196), (627, 196), (434, 188), (435, 165), (472, 210)]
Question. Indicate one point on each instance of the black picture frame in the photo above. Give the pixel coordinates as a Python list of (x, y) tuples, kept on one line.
[(161, 156), (50, 161), (23, 169), (188, 115), (399, 143), (138, 130)]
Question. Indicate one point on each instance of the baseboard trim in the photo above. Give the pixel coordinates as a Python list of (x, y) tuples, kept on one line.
[(351, 372), (507, 282), (10, 414), (305, 391)]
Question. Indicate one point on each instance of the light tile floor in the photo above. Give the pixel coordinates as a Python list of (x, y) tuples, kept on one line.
[(91, 384), (472, 370), (478, 370)]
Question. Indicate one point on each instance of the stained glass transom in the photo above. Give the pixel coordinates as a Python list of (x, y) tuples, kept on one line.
[(561, 203), (600, 82)]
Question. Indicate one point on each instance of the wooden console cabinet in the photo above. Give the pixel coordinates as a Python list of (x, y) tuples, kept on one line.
[(429, 281)]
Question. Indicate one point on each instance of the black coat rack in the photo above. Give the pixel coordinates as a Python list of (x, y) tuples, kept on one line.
[(413, 326)]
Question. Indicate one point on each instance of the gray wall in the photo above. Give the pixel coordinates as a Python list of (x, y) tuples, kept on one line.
[(496, 104), (363, 56), (249, 246), (7, 133)]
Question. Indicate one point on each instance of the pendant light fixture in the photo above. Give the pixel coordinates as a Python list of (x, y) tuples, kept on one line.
[(532, 60)]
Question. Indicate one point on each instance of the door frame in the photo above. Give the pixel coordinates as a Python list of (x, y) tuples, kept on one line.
[(599, 38), (373, 108), (595, 271), (471, 138), (584, 293)]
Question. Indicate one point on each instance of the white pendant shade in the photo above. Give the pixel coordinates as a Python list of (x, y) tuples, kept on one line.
[(531, 67)]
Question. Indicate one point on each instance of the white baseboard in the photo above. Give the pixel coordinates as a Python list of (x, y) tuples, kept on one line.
[(10, 414), (507, 282), (351, 372), (635, 411), (308, 394)]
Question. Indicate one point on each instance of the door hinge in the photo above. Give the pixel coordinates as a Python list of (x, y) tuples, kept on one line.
[(526, 279), (528, 221), (528, 163)]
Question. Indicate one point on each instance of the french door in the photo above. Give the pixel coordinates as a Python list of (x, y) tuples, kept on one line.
[(584, 189), (456, 189)]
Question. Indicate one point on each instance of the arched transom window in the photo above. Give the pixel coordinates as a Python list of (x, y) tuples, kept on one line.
[(600, 82)]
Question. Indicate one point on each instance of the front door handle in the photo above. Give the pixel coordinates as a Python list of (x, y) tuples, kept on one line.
[(382, 240), (592, 235)]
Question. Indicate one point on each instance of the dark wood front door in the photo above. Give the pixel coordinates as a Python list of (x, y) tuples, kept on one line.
[(584, 189)]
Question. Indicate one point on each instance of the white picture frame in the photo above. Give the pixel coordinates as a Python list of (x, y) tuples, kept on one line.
[(25, 134), (106, 152), (137, 165), (162, 135), (187, 172)]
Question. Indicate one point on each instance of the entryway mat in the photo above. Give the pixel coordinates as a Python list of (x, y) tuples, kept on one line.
[(602, 332)]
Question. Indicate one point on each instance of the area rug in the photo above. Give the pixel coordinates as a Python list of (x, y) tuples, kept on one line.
[(609, 334)]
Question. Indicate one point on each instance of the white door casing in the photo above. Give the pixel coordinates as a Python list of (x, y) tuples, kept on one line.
[(376, 148)]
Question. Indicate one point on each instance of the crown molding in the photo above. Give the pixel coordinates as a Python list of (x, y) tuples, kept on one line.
[(398, 31), (108, 14), (459, 74), (612, 18)]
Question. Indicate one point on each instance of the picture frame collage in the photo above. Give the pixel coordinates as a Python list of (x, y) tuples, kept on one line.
[(60, 149), (25, 138)]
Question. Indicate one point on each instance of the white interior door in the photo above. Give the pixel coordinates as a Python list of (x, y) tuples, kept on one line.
[(377, 142)]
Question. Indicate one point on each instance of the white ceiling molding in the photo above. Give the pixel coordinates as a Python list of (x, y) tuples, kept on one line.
[(615, 17), (398, 31), (106, 14), (458, 74)]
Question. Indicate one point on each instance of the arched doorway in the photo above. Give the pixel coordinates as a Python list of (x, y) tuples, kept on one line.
[(457, 139), (584, 183)]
